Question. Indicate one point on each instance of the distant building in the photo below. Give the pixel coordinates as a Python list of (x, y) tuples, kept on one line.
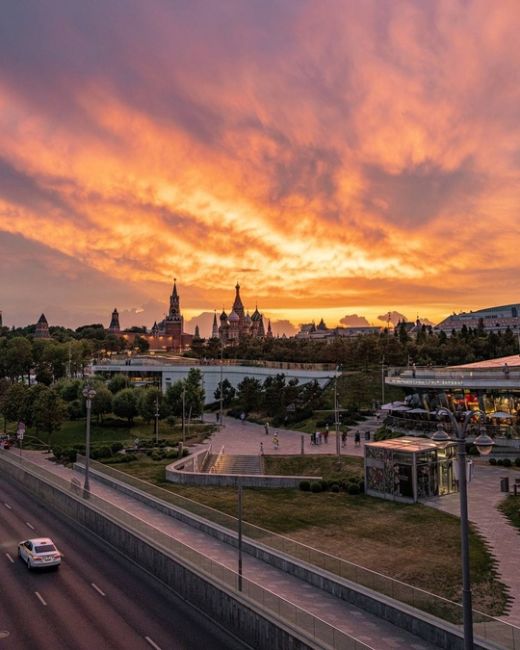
[(491, 319), (322, 333), (238, 324), (168, 335), (42, 328)]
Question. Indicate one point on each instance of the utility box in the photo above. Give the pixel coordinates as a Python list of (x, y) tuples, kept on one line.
[(504, 484)]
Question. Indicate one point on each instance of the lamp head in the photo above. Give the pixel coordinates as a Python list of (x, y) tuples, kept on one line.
[(440, 437), (484, 444)]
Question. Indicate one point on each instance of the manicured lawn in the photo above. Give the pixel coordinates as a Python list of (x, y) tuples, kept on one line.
[(413, 543), (72, 432), (328, 467), (510, 506)]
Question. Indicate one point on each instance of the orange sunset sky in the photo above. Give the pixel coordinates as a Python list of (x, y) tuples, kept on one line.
[(335, 157)]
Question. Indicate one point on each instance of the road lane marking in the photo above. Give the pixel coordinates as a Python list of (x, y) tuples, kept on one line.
[(152, 643), (7, 506), (40, 598), (8, 556), (30, 525), (94, 586)]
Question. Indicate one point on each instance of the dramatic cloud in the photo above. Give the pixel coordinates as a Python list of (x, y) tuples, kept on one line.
[(335, 156), (392, 318), (353, 320)]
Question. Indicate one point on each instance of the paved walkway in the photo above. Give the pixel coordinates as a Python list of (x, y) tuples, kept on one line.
[(244, 439), (503, 539), (354, 621)]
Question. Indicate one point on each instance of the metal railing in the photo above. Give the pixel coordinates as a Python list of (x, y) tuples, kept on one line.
[(486, 627), (289, 615)]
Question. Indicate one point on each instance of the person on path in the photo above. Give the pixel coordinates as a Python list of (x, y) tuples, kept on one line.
[(343, 438), (266, 425), (318, 437), (276, 441), (261, 449), (326, 435), (357, 439), (217, 415), (313, 438), (243, 417)]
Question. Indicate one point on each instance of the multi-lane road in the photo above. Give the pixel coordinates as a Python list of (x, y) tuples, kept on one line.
[(97, 600)]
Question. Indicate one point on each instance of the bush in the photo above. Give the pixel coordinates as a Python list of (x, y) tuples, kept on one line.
[(116, 446), (353, 488), (500, 461), (334, 488), (325, 485), (493, 461), (316, 486), (507, 462), (361, 486), (101, 452), (305, 486), (173, 453), (74, 410), (157, 455), (517, 462), (185, 452)]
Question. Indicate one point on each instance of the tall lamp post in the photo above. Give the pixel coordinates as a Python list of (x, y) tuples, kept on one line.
[(336, 414), (88, 393), (484, 444), (221, 396), (156, 420)]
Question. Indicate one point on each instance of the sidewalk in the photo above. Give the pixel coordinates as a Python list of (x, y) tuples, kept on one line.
[(503, 539), (244, 438), (364, 626)]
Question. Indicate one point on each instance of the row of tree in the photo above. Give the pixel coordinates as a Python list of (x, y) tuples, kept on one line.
[(393, 347), (45, 408)]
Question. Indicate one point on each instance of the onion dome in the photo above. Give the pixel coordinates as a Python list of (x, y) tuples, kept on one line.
[(234, 317)]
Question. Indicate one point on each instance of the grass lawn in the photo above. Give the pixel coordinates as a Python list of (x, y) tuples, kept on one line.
[(413, 543), (510, 506), (328, 467), (72, 432)]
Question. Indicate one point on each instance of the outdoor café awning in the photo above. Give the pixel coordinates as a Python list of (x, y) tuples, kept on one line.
[(418, 410)]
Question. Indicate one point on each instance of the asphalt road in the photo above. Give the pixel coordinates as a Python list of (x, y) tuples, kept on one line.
[(96, 600)]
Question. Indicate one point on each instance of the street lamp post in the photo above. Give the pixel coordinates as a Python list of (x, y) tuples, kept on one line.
[(336, 415), (184, 412), (221, 392), (157, 420), (484, 445), (239, 537), (88, 393)]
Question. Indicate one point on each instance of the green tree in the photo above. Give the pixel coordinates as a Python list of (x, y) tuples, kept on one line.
[(249, 394), (124, 404), (18, 358), (194, 396), (228, 393), (49, 411), (102, 402), (13, 401), (117, 383), (149, 400)]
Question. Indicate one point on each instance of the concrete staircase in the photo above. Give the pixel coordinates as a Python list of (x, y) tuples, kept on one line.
[(227, 464)]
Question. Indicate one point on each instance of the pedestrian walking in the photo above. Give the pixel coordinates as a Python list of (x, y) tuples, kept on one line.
[(343, 438), (318, 437), (266, 425), (326, 435), (276, 441), (261, 449), (313, 438), (243, 417), (217, 415), (357, 439)]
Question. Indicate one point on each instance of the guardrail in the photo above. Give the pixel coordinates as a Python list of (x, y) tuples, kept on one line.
[(288, 614), (487, 627)]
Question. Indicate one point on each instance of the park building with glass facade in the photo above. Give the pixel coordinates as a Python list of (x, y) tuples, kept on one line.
[(409, 469), (491, 386)]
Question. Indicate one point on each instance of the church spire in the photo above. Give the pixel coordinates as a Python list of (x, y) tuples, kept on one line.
[(214, 329), (114, 327), (238, 307)]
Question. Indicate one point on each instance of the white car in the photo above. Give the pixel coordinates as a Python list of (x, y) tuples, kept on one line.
[(39, 553)]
